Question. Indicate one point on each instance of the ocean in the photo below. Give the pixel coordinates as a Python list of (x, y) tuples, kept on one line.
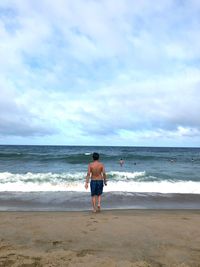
[(52, 177)]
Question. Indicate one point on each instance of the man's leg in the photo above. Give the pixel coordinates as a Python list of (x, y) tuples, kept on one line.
[(99, 202), (94, 203)]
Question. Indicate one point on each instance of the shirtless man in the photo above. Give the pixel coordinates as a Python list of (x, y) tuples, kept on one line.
[(96, 172)]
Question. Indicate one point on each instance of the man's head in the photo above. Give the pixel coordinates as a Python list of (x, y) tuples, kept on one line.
[(95, 156)]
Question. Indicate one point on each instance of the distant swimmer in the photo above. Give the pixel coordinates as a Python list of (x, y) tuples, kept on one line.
[(121, 162), (172, 160)]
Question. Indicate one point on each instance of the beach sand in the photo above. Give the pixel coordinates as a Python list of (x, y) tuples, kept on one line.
[(119, 238)]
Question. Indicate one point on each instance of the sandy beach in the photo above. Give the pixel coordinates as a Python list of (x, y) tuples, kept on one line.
[(110, 238)]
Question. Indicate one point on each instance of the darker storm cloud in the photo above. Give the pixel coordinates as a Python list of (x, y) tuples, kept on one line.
[(23, 129)]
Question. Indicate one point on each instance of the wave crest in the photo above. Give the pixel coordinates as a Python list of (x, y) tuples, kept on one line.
[(117, 181)]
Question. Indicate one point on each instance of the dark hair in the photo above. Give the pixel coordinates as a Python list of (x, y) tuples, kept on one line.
[(95, 156)]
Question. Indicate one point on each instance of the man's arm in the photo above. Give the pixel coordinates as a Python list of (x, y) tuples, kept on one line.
[(104, 175), (87, 177)]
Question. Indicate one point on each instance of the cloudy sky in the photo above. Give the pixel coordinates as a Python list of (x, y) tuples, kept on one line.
[(100, 72)]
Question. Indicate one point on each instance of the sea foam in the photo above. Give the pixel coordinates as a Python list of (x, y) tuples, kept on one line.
[(117, 181)]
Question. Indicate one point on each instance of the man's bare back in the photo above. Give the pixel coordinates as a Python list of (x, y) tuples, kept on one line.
[(96, 170)]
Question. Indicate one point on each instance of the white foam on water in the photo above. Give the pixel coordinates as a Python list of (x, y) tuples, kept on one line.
[(6, 177), (182, 187), (138, 187), (42, 177), (117, 175), (45, 187), (120, 182)]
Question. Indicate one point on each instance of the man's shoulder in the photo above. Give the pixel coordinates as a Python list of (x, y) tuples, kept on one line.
[(90, 164), (101, 164), (96, 163)]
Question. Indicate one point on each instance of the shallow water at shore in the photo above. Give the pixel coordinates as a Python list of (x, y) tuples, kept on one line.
[(75, 201)]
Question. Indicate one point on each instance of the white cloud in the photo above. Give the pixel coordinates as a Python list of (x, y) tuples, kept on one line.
[(17, 118), (99, 68)]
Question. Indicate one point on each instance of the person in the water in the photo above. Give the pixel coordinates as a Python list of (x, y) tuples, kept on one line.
[(121, 162)]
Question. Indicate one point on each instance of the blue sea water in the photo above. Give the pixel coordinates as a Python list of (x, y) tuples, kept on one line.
[(151, 177)]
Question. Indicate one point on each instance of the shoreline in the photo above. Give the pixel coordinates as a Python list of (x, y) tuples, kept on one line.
[(78, 201), (104, 212), (110, 238)]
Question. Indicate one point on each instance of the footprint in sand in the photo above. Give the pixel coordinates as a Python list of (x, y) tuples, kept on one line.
[(55, 243), (93, 229), (84, 252), (185, 218), (105, 220)]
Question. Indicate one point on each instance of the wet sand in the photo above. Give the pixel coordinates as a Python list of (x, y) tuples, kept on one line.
[(119, 238)]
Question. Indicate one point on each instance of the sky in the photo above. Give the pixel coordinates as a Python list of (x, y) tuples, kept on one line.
[(100, 72)]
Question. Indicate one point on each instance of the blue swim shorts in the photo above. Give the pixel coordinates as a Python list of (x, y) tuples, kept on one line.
[(96, 187)]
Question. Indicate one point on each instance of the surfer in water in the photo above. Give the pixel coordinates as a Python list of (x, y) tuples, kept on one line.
[(97, 176)]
